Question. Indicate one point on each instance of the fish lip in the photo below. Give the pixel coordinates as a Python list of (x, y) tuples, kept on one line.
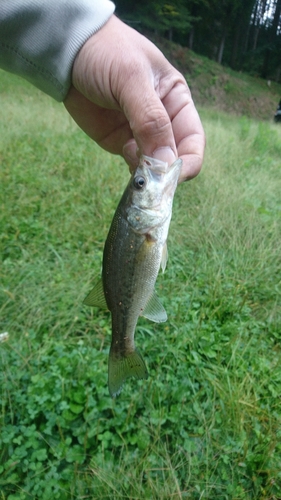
[(146, 209), (158, 166)]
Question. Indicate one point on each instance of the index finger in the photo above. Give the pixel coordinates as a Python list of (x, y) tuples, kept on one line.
[(164, 116), (187, 129)]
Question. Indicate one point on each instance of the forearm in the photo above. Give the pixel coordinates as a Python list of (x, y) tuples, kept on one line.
[(39, 40)]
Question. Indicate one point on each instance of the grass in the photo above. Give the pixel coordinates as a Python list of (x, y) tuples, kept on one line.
[(206, 424), (222, 88)]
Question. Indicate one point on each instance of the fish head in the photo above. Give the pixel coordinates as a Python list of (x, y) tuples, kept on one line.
[(152, 188)]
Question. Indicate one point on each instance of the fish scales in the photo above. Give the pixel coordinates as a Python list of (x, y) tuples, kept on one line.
[(127, 293), (133, 252)]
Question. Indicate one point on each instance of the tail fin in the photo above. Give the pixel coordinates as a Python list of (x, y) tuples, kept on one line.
[(121, 368)]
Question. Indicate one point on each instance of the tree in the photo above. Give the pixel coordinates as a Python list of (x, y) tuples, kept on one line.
[(240, 32), (245, 34), (273, 33), (161, 16)]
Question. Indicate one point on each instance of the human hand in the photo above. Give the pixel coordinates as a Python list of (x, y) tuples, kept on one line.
[(130, 100)]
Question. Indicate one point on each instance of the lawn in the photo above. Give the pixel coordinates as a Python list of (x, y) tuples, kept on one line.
[(207, 422)]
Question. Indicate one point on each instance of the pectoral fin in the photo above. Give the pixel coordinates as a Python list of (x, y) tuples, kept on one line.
[(164, 257), (96, 297), (154, 310)]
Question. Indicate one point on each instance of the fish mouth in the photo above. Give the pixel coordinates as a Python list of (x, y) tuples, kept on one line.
[(158, 168), (148, 210)]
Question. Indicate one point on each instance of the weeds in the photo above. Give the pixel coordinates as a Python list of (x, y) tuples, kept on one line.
[(206, 424)]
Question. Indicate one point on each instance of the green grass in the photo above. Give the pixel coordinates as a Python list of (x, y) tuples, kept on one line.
[(207, 422), (222, 88)]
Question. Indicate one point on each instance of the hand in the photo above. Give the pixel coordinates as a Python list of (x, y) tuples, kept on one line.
[(130, 100)]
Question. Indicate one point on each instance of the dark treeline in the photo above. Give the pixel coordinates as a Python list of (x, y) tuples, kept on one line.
[(243, 34)]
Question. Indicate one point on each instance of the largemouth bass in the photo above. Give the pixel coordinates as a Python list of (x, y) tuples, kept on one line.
[(134, 250)]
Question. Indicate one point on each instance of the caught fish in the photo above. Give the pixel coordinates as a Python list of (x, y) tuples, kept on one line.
[(134, 250)]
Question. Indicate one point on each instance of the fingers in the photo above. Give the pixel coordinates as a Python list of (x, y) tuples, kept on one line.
[(187, 128), (108, 128), (162, 116), (166, 128), (139, 103), (126, 79), (131, 154), (148, 118)]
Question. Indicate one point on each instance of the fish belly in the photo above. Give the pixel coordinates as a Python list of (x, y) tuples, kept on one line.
[(130, 268)]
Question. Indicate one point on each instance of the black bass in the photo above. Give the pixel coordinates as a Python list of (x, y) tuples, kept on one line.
[(134, 250)]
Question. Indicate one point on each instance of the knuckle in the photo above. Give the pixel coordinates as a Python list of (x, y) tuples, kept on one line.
[(154, 123)]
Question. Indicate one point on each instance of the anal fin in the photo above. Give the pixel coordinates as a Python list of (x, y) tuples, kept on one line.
[(154, 310)]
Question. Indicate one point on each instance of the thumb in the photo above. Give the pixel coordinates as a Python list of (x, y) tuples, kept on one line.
[(149, 122)]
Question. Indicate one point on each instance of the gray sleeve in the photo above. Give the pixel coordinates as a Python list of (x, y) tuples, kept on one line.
[(39, 39)]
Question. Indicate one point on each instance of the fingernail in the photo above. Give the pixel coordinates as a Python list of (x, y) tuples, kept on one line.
[(164, 154), (130, 154)]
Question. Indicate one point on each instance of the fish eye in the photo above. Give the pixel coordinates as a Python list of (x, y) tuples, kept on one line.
[(139, 182)]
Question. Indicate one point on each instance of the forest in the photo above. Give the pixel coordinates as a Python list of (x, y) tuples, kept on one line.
[(242, 34)]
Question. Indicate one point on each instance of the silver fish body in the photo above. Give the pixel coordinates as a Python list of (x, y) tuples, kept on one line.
[(134, 250)]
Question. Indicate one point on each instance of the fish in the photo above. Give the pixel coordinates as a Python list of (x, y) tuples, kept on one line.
[(134, 251)]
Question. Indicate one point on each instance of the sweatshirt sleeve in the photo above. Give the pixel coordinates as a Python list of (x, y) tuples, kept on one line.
[(40, 39)]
